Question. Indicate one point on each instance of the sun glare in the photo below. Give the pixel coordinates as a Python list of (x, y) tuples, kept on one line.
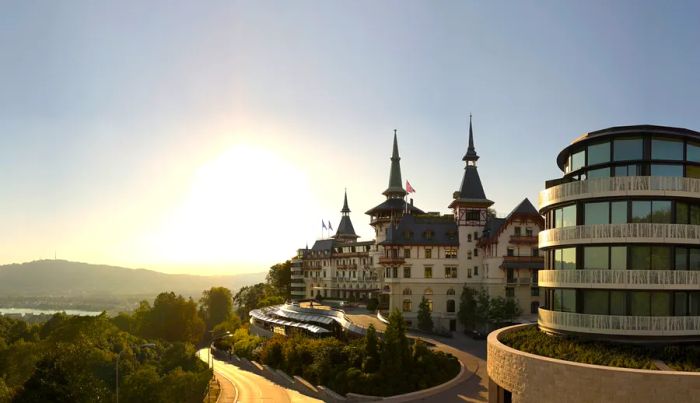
[(242, 209)]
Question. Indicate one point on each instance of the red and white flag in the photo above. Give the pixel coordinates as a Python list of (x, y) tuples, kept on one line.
[(410, 188)]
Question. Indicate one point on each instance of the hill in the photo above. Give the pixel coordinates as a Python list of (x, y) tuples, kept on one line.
[(61, 278)]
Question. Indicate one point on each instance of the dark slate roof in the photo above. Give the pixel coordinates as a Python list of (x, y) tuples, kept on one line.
[(471, 151), (394, 204), (345, 209), (395, 183), (411, 230), (323, 244), (492, 226), (471, 185), (525, 207), (345, 227)]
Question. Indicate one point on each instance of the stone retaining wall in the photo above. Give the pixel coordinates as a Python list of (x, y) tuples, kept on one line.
[(534, 378)]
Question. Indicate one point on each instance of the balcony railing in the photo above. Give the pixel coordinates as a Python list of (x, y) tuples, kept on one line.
[(523, 239), (620, 186), (391, 260), (620, 325), (621, 279), (621, 233), (523, 259)]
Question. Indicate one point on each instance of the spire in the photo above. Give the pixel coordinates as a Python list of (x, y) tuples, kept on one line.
[(471, 152), (345, 209), (395, 184), (345, 231)]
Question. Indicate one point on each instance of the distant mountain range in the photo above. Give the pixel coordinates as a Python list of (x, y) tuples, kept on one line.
[(57, 278)]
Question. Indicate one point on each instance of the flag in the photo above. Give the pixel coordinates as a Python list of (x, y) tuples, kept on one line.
[(330, 227), (323, 224), (410, 188)]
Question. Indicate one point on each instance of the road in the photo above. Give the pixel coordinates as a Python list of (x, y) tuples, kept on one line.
[(471, 353), (250, 387)]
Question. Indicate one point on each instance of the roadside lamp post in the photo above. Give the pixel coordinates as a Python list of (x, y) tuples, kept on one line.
[(225, 335), (146, 345)]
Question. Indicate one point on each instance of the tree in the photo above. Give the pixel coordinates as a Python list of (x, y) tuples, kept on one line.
[(503, 310), (425, 320), (395, 355), (467, 308), (216, 306), (280, 279), (173, 318), (248, 298), (371, 360)]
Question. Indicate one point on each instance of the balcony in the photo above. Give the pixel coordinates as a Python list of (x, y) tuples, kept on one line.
[(523, 239), (347, 267), (621, 279), (391, 261), (620, 186), (621, 233), (658, 326), (519, 281)]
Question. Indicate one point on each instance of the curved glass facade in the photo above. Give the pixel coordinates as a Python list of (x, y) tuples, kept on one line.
[(634, 151)]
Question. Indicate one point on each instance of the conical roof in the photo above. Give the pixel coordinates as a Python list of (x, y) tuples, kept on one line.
[(345, 229), (471, 191), (395, 184)]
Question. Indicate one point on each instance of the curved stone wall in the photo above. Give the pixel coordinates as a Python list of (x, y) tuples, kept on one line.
[(533, 378)]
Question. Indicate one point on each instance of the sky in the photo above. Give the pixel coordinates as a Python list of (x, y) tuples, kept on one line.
[(214, 137)]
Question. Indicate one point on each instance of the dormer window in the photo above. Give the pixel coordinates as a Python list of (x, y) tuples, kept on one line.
[(428, 234)]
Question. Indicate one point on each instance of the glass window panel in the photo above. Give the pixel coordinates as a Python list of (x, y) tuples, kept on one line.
[(640, 258), (681, 260), (661, 211), (618, 258), (694, 259), (599, 173), (680, 303), (660, 303), (628, 170), (694, 215), (578, 160), (661, 258), (628, 149), (596, 213), (694, 303), (598, 154), (556, 300), (558, 218), (595, 302), (618, 303), (640, 304), (662, 149), (569, 218), (595, 257), (568, 257), (618, 212), (692, 171), (681, 213), (569, 300), (666, 170), (641, 211), (693, 152)]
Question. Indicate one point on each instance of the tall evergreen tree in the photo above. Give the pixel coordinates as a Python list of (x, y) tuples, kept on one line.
[(425, 320)]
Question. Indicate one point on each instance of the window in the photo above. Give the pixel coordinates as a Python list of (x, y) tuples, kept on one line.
[(528, 232), (428, 272), (428, 253), (510, 292), (692, 172), (565, 216), (641, 211), (517, 231), (469, 237), (666, 170), (618, 212), (450, 272), (407, 291), (406, 305), (618, 258), (451, 291), (578, 160), (469, 273), (565, 259), (395, 272), (628, 149), (450, 305), (476, 252), (534, 306), (599, 173), (406, 272), (693, 152), (598, 154), (535, 252), (595, 302), (429, 301), (596, 213), (510, 252), (476, 270), (628, 170), (664, 149), (618, 303), (451, 253), (469, 255), (660, 303), (473, 215), (407, 253), (595, 258)]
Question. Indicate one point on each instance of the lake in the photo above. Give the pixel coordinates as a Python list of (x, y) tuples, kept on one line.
[(30, 311)]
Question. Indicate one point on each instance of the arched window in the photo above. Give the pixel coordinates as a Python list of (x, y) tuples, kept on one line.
[(451, 291), (387, 289), (428, 291), (407, 305), (407, 291), (450, 305)]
